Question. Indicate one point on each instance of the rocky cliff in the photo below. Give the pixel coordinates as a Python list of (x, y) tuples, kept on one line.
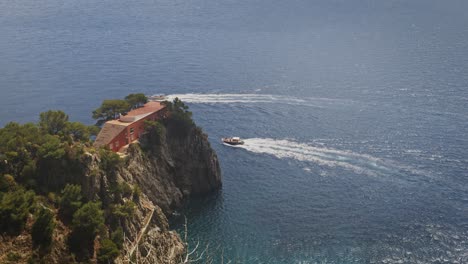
[(63, 200), (174, 169), (168, 171), (135, 194)]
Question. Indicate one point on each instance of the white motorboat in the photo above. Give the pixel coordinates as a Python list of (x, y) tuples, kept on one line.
[(233, 141)]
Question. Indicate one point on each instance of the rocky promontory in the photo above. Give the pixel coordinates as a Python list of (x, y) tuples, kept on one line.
[(98, 206), (168, 173)]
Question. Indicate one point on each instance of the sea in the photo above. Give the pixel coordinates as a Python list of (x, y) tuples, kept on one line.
[(354, 114)]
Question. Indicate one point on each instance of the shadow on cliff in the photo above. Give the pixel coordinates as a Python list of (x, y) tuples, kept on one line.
[(173, 161)]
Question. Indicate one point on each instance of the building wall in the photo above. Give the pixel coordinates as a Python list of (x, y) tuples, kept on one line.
[(118, 141), (133, 131)]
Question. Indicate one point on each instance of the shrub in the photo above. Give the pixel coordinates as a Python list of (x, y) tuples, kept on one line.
[(125, 189), (89, 218), (87, 222), (180, 118), (136, 192), (7, 183), (108, 252), (14, 210), (70, 200), (156, 130), (125, 210), (120, 190), (43, 229), (109, 160), (52, 198), (28, 173), (13, 256), (118, 237)]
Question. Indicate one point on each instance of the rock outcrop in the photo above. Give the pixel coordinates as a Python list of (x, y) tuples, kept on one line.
[(175, 169), (179, 166)]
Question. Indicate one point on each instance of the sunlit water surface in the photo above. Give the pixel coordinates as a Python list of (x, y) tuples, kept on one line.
[(354, 113)]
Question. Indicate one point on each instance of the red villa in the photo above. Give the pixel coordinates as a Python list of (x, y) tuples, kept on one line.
[(118, 133)]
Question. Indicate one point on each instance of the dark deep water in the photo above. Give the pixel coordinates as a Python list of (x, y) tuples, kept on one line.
[(355, 113)]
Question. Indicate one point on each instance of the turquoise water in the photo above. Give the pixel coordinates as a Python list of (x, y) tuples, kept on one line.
[(355, 113)]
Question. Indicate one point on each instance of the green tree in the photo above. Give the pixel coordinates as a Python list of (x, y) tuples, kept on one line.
[(136, 100), (89, 218), (94, 130), (28, 173), (70, 201), (18, 146), (118, 237), (78, 131), (51, 148), (121, 189), (155, 132), (53, 121), (43, 229), (87, 222), (125, 210), (14, 210), (109, 160), (110, 109), (180, 118), (108, 252), (178, 107)]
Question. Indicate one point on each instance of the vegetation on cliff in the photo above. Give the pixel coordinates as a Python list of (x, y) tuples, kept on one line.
[(180, 120), (43, 228), (72, 202), (40, 162), (111, 109)]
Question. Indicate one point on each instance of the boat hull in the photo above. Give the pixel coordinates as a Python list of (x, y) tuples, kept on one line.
[(232, 142)]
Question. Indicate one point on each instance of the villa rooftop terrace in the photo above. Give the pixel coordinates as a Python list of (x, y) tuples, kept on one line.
[(149, 107)]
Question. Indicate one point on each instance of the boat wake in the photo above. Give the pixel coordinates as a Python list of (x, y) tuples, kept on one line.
[(288, 149), (256, 98)]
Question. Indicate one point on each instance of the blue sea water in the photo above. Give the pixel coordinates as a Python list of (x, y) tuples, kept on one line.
[(355, 113)]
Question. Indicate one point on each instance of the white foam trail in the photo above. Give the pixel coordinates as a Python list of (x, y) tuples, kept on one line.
[(255, 98), (359, 163)]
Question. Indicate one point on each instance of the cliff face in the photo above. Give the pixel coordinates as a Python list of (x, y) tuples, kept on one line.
[(180, 165), (174, 169)]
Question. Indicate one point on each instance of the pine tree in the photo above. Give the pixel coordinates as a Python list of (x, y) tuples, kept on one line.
[(43, 229)]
